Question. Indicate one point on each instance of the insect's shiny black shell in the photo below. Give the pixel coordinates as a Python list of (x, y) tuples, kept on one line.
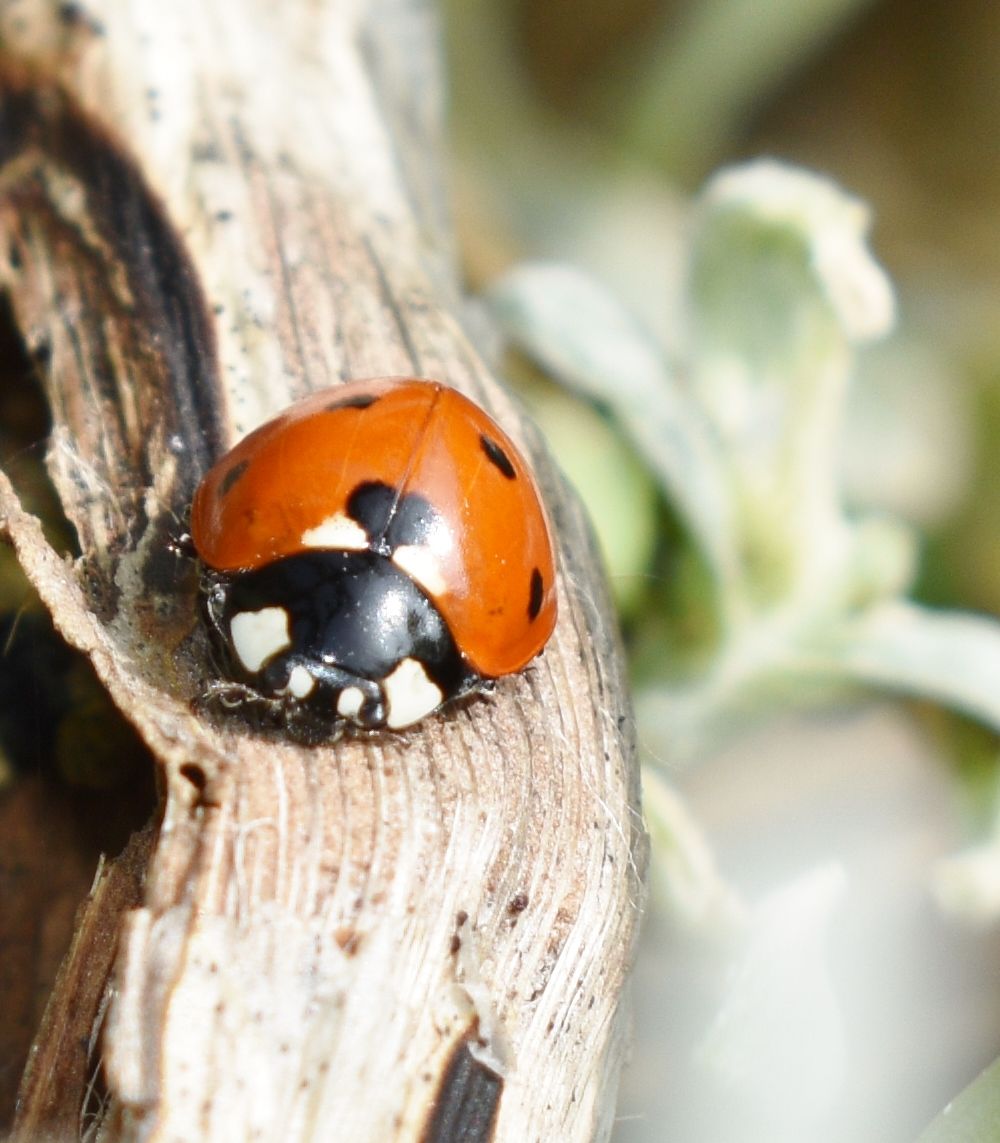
[(353, 620)]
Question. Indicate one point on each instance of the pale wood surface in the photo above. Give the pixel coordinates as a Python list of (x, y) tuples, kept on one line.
[(207, 208)]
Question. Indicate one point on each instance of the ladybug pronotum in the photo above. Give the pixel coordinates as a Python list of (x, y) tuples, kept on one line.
[(377, 550)]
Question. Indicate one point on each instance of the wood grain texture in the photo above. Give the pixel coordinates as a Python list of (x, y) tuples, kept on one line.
[(207, 209)]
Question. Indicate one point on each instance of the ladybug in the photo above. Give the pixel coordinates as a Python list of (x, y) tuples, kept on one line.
[(375, 551)]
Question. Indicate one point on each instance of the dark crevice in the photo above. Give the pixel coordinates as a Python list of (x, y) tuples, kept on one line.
[(25, 424), (466, 1106), (75, 779), (169, 304)]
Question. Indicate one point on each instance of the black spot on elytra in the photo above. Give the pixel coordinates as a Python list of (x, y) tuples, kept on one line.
[(391, 521), (232, 476), (497, 456), (371, 505), (360, 401), (535, 593)]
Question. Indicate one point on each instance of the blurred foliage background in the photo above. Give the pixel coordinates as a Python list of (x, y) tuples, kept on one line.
[(820, 960)]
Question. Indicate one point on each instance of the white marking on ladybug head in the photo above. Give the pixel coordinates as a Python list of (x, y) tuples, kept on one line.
[(422, 566), (337, 533), (349, 702), (259, 635), (410, 694), (300, 682)]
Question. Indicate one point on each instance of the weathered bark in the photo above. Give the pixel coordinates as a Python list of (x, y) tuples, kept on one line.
[(208, 208)]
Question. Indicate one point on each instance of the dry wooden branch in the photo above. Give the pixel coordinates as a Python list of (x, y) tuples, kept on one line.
[(208, 208)]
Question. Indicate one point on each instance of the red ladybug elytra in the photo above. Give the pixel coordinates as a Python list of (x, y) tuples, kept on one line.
[(376, 550)]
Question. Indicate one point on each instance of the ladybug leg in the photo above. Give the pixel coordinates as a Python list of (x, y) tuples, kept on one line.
[(212, 599), (229, 695), (266, 713), (214, 590), (180, 544), (220, 696)]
